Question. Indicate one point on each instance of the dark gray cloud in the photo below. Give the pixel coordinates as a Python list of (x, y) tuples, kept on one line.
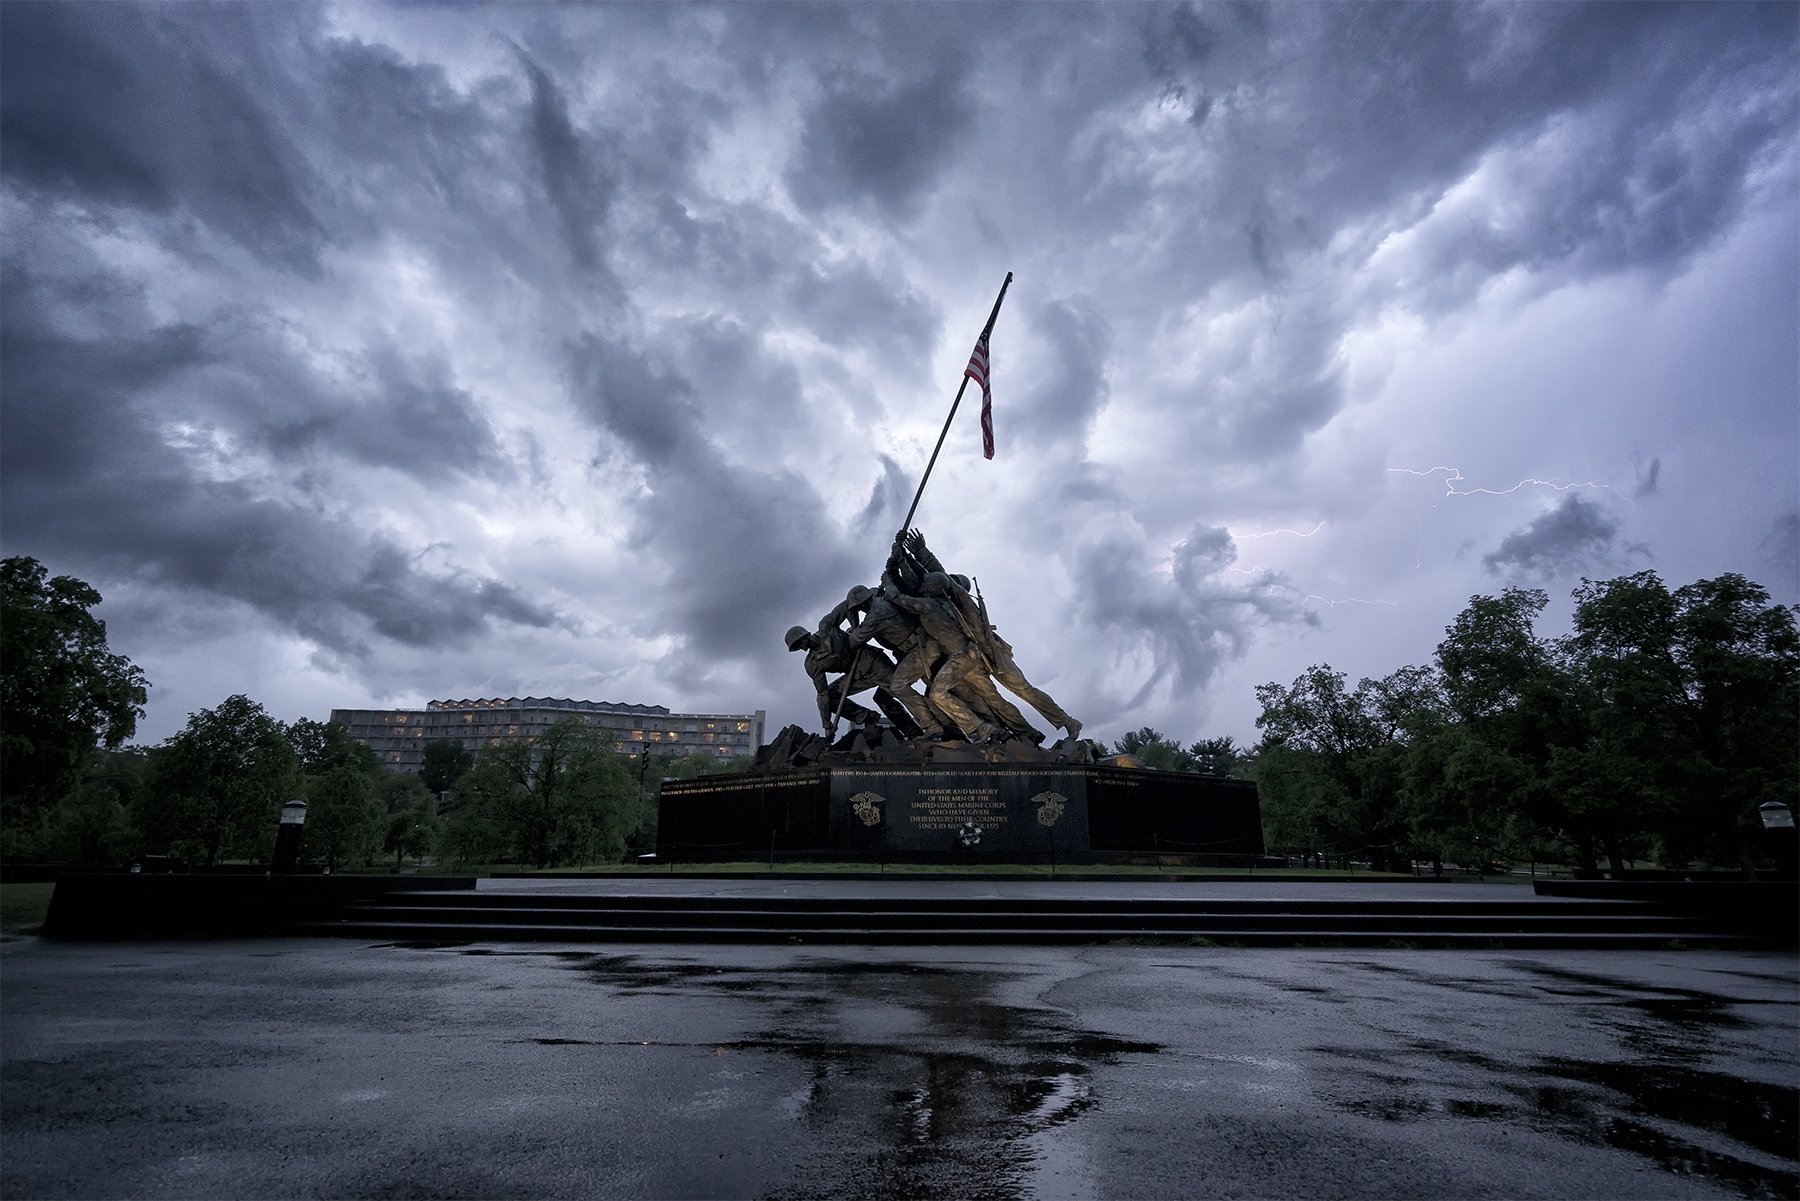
[(111, 105), (1781, 550), (745, 550), (579, 189), (349, 314), (1576, 534), (1192, 620), (1062, 407), (884, 139), (90, 478)]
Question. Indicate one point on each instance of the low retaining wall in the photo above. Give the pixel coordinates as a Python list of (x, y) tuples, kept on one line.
[(156, 906)]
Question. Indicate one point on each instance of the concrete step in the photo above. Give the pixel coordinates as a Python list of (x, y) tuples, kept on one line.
[(497, 901), (1146, 918), (472, 916), (975, 934)]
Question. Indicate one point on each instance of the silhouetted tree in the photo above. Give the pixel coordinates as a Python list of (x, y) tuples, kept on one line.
[(215, 789), (62, 691), (444, 762)]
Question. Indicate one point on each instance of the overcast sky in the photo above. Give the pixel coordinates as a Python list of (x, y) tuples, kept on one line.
[(366, 355)]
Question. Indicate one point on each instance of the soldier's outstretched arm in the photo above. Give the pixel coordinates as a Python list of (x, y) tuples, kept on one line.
[(911, 604), (834, 619), (915, 545)]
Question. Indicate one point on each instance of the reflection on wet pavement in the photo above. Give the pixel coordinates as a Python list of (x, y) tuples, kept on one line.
[(946, 1112), (543, 1070), (942, 1122), (1652, 1105)]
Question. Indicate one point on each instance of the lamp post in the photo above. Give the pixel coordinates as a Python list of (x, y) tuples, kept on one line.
[(287, 838), (1780, 840)]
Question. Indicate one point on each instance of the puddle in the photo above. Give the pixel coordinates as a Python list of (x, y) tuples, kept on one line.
[(953, 1117), (1683, 1118), (1676, 1006), (1764, 1116)]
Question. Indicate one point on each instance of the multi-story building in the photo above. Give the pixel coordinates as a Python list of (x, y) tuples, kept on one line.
[(399, 735)]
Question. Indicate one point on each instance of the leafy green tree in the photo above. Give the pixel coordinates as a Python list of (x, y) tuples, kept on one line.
[(413, 827), (1662, 720), (1740, 662), (62, 691), (1332, 763), (215, 789), (564, 797), (92, 826), (345, 823), (1222, 757), (445, 761), (401, 790), (322, 745), (1152, 749)]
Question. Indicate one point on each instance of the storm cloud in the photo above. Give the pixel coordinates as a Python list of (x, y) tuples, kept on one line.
[(1576, 534), (589, 348)]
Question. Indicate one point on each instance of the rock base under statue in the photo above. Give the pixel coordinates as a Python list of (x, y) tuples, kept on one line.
[(927, 812)]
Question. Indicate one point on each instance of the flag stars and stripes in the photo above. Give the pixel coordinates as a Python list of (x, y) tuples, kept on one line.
[(977, 370)]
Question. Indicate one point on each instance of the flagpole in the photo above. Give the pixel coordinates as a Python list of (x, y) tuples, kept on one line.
[(985, 331)]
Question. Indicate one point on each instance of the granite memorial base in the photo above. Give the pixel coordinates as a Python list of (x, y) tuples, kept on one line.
[(895, 813)]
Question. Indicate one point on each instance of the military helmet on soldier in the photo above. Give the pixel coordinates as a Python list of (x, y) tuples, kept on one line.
[(796, 635), (859, 596)]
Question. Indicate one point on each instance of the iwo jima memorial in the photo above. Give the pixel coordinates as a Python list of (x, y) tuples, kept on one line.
[(955, 773)]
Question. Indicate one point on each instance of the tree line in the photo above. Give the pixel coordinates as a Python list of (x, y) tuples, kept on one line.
[(76, 793), (1653, 729)]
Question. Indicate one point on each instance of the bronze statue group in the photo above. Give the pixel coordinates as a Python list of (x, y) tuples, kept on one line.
[(923, 625)]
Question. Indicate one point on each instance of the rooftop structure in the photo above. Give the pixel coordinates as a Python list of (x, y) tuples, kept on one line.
[(399, 735)]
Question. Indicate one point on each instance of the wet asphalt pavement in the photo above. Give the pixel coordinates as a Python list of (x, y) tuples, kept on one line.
[(328, 1068)]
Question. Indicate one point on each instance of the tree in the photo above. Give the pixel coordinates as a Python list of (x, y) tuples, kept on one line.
[(412, 823), (564, 797), (1331, 765), (322, 745), (1740, 662), (444, 762), (61, 690), (92, 827), (344, 821), (1150, 748), (1220, 757), (215, 789)]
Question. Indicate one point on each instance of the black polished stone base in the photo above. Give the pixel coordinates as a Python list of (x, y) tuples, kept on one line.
[(1038, 813)]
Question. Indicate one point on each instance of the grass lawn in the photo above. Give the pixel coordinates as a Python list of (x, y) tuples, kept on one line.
[(23, 906), (1063, 871)]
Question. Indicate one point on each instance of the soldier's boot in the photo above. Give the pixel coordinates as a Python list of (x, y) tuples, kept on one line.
[(898, 714)]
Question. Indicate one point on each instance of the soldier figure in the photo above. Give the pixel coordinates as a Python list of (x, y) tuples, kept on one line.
[(887, 625), (944, 625), (996, 650), (829, 650)]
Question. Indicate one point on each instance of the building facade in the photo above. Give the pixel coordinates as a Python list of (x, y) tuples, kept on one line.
[(399, 735)]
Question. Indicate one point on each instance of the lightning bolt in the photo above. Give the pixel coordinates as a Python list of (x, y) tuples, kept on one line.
[(1272, 533), (1351, 600), (1455, 477)]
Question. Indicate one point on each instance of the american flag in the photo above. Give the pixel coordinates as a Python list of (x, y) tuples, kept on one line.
[(977, 370)]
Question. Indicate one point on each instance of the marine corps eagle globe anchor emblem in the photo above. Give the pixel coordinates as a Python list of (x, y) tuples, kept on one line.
[(1050, 807), (865, 805)]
